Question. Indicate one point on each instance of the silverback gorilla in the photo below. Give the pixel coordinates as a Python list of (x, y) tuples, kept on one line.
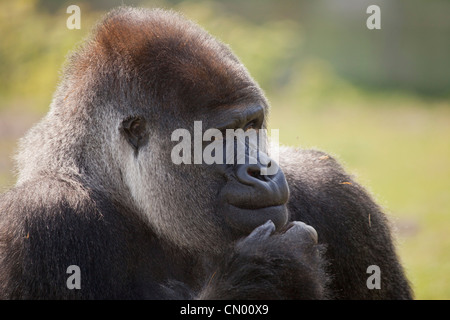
[(97, 189)]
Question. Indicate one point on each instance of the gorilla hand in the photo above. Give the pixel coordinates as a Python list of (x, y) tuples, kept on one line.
[(269, 265)]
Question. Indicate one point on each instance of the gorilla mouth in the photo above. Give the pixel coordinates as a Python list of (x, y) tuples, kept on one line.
[(251, 199), (253, 207), (246, 219)]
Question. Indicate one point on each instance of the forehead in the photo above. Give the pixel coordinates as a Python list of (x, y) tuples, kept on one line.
[(172, 58)]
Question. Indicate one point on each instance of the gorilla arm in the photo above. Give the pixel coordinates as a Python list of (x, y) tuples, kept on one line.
[(284, 265)]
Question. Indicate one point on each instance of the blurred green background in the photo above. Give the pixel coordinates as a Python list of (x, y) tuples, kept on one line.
[(378, 100)]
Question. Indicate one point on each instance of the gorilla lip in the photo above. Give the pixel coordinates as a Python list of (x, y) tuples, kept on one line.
[(255, 217), (251, 207)]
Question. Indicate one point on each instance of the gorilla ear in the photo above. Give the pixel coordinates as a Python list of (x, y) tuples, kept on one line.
[(135, 131)]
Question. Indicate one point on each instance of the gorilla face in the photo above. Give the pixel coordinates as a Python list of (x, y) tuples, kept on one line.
[(195, 204), (169, 73), (251, 196)]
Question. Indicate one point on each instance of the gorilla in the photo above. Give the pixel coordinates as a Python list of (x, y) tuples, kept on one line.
[(97, 189)]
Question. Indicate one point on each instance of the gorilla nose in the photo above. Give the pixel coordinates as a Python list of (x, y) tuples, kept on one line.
[(250, 174), (267, 189)]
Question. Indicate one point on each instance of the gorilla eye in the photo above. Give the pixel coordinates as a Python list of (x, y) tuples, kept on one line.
[(250, 125), (135, 131)]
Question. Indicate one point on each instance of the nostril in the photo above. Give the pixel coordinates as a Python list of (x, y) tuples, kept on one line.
[(249, 174), (253, 173)]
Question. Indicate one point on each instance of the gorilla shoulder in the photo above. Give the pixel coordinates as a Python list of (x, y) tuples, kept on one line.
[(51, 223), (348, 221), (318, 183), (311, 168)]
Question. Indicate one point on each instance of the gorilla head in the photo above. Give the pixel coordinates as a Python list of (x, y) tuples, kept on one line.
[(142, 75)]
